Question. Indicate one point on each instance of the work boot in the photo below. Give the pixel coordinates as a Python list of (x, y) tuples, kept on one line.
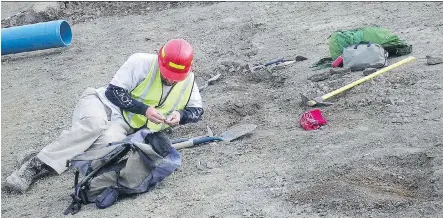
[(22, 178)]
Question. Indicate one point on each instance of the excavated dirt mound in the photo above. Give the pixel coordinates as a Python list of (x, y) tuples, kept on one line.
[(380, 155), (388, 184)]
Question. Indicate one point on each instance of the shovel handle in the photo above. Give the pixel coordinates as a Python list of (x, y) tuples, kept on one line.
[(185, 144), (274, 61), (193, 142), (368, 77), (178, 140)]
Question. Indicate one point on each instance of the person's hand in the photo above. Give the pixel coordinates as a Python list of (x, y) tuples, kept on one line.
[(173, 119), (154, 115)]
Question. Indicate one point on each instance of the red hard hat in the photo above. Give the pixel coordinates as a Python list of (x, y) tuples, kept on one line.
[(175, 59)]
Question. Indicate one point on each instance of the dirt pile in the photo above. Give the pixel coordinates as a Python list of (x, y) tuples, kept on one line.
[(75, 12), (387, 184)]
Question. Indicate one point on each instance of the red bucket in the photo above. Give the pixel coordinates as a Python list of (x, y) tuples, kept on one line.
[(312, 120)]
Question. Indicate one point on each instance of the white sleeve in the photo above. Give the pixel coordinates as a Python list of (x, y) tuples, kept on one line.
[(133, 71), (195, 100)]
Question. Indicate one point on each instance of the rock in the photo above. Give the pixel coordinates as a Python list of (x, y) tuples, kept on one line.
[(239, 104), (300, 58), (244, 66), (339, 70), (387, 101), (222, 67), (434, 60), (276, 192), (320, 77), (252, 52), (200, 166), (369, 71)]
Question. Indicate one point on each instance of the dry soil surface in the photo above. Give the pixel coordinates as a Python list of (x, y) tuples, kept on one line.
[(380, 155)]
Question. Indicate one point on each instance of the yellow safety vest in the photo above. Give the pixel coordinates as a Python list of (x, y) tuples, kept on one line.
[(150, 92)]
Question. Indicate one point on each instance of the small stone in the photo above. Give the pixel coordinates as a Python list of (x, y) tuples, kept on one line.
[(320, 77), (231, 70), (434, 60), (369, 71), (276, 192), (222, 67), (200, 166), (209, 165), (387, 101), (239, 105), (300, 58), (339, 70)]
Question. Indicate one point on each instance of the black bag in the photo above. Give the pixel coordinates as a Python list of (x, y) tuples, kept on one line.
[(125, 167)]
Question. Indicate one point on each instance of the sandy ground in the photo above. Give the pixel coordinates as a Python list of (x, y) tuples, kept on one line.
[(380, 155)]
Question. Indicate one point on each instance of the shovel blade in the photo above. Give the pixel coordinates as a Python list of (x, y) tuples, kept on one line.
[(237, 131), (305, 100), (318, 101)]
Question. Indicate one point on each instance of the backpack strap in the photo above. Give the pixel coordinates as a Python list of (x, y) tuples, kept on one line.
[(80, 188), (76, 203), (74, 207)]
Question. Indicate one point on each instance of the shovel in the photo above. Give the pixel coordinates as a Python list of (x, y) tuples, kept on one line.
[(320, 100), (178, 140), (230, 135)]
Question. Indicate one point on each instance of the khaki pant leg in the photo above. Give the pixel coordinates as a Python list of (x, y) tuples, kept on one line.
[(116, 132), (88, 122)]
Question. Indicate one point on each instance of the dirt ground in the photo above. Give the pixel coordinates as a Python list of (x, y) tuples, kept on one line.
[(380, 155)]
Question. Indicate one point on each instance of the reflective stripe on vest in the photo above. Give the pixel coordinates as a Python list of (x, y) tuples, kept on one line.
[(145, 91), (150, 92)]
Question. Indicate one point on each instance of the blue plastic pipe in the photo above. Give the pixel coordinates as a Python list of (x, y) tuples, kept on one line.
[(37, 36)]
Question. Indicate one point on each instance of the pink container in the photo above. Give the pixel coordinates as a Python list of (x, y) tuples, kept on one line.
[(338, 62)]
